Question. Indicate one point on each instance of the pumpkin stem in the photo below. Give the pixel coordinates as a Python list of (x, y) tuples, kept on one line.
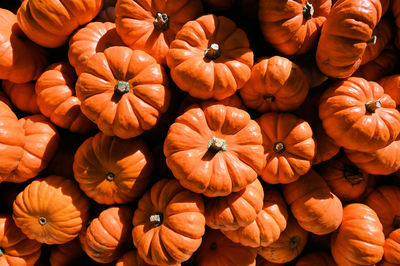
[(213, 246), (269, 98), (156, 219), (1, 251), (212, 52), (353, 174), (121, 87), (110, 177), (372, 40), (371, 106), (42, 221), (216, 145), (396, 221), (294, 242), (161, 22), (279, 147), (308, 11)]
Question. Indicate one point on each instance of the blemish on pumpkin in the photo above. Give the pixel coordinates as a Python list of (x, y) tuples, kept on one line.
[(352, 174)]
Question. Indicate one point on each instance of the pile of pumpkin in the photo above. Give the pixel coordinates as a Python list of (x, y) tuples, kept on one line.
[(189, 132)]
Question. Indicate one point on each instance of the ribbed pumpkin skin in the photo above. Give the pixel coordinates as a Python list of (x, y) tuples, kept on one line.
[(218, 250), (102, 90), (289, 147), (205, 74), (391, 249), (268, 225), (344, 39), (168, 224), (312, 203), (56, 98), (51, 210), (352, 124), (22, 95), (195, 160), (21, 60), (15, 247), (385, 201), (290, 26), (49, 23), (316, 258), (131, 258), (236, 210), (66, 254), (112, 170), (290, 244), (359, 240), (276, 84), (135, 21), (93, 38), (108, 236)]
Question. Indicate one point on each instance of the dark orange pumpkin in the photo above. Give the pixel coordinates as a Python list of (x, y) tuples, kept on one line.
[(131, 258), (22, 95), (106, 15), (66, 254), (260, 261), (391, 86), (316, 258), (391, 249)]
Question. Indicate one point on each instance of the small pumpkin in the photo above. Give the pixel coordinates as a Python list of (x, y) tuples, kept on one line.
[(131, 258), (210, 58), (276, 84), (51, 210), (359, 240), (108, 235), (22, 95), (358, 115), (214, 149), (168, 224), (66, 254), (316, 258), (15, 247), (391, 253)]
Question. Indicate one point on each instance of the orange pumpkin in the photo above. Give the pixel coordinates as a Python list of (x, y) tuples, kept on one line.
[(391, 86), (391, 249), (292, 26), (131, 258), (51, 210), (168, 224), (313, 204), (359, 240), (15, 247), (93, 38), (108, 235), (22, 95), (123, 91), (236, 210), (210, 58), (276, 84), (268, 225), (358, 115), (112, 170), (55, 90), (316, 258), (66, 254), (151, 26), (289, 147), (214, 149), (49, 23)]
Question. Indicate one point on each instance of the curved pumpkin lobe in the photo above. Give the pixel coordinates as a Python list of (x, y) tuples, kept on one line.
[(279, 147), (156, 219), (294, 242), (110, 177), (371, 106), (212, 52), (161, 21), (42, 220), (216, 145), (308, 11), (396, 221), (352, 174), (121, 87)]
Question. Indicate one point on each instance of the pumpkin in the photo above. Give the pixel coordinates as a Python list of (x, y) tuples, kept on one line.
[(218, 250), (168, 224), (55, 90), (289, 245), (359, 240), (276, 84), (358, 115), (260, 261), (289, 147), (316, 258), (51, 210), (112, 170), (40, 145), (107, 15), (236, 210), (49, 23), (345, 179), (123, 91), (292, 26), (268, 225), (15, 247), (214, 149), (391, 249), (93, 38), (313, 204), (108, 235), (66, 254), (391, 86), (385, 201), (21, 60), (210, 58), (151, 26), (22, 95), (131, 258), (345, 35)]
